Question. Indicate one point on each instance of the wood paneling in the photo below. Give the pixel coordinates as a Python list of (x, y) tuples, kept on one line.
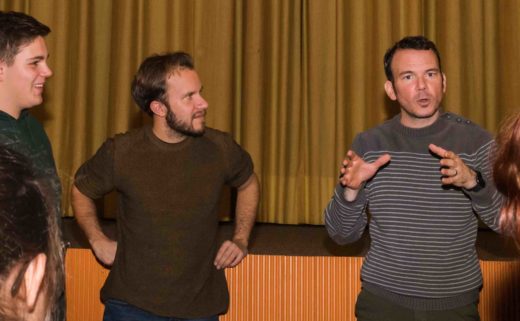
[(291, 288)]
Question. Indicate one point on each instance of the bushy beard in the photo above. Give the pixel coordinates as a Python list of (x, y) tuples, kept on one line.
[(181, 127)]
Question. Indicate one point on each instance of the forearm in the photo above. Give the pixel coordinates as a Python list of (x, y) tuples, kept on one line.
[(86, 215), (246, 208)]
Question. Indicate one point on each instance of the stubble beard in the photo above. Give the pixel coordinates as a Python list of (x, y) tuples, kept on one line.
[(181, 127)]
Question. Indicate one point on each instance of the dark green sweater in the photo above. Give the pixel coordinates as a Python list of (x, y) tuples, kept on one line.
[(26, 136)]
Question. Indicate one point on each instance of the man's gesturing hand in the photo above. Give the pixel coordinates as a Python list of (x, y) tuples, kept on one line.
[(453, 169), (355, 172)]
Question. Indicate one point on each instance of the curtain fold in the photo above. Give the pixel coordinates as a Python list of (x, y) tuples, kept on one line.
[(293, 81)]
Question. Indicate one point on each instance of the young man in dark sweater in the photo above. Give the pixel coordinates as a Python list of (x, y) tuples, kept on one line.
[(23, 73), (424, 176), (166, 262)]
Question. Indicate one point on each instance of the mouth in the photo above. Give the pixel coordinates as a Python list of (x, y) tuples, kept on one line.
[(423, 102), (201, 114), (39, 86)]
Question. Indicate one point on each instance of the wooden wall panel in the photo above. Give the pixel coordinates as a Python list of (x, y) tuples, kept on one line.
[(275, 288), (291, 288), (500, 295), (84, 277)]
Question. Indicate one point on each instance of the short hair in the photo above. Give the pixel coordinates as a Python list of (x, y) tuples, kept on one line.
[(149, 83), (506, 174), (28, 227), (410, 42), (16, 30)]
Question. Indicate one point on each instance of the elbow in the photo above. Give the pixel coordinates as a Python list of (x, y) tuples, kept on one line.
[(342, 238)]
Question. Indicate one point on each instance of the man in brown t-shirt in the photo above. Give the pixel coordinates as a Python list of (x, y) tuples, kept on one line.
[(166, 262)]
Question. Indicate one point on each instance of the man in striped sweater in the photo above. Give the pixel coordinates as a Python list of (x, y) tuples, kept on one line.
[(424, 176)]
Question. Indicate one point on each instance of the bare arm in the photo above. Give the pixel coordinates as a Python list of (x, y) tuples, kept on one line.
[(232, 252), (86, 216)]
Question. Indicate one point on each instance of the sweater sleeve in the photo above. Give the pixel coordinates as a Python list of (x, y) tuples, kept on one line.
[(487, 202), (346, 221)]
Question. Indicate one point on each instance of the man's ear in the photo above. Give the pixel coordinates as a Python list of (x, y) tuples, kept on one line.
[(443, 83), (390, 92), (33, 278), (3, 65), (158, 108)]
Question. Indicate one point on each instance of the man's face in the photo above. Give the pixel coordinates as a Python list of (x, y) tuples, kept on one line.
[(186, 112), (418, 86), (23, 81)]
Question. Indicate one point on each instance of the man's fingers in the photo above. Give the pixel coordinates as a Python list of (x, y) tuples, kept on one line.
[(382, 160), (439, 151), (222, 254), (229, 255)]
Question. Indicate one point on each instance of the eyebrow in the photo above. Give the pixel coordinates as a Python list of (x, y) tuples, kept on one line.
[(413, 72), (38, 58)]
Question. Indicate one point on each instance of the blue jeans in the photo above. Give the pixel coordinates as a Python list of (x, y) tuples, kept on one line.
[(116, 310)]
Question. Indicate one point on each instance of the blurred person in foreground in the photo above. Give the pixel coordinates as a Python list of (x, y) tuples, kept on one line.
[(31, 262), (506, 173)]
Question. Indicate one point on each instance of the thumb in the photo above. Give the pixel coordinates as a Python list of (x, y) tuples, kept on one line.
[(382, 160)]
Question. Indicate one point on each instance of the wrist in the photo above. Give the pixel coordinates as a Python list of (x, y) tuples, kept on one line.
[(477, 182), (241, 242)]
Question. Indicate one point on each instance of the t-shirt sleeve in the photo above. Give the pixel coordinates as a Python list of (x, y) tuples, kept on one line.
[(95, 177), (240, 164)]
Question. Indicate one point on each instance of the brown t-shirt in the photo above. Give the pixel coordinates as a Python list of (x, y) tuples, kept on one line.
[(167, 221)]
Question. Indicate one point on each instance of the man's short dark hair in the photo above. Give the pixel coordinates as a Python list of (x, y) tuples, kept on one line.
[(16, 30), (410, 42), (149, 83)]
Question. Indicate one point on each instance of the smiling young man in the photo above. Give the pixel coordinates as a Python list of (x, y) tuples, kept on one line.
[(23, 73), (166, 263), (424, 175)]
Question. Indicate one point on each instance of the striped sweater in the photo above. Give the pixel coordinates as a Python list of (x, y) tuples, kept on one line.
[(422, 253)]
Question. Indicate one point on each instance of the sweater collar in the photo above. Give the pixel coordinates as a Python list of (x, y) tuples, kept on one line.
[(5, 116), (432, 129)]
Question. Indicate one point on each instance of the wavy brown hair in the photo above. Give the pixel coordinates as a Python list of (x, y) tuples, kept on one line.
[(506, 173)]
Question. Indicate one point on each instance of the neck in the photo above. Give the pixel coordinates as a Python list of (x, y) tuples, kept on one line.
[(13, 112), (415, 122), (165, 133)]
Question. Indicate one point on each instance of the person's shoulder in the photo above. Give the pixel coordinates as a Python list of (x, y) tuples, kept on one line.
[(385, 128), (217, 136), (211, 132), (222, 140), (129, 135), (463, 124), (126, 140)]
